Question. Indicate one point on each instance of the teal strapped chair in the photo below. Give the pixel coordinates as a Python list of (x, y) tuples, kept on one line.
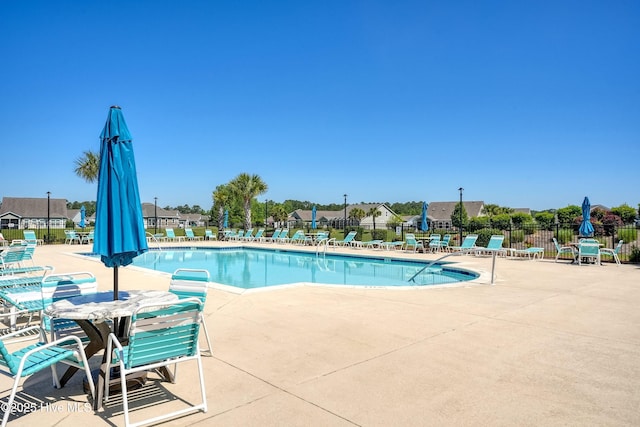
[(411, 243), (588, 251), (190, 236), (494, 245), (564, 250), (434, 242), (347, 241), (467, 245), (443, 244), (208, 235), (188, 283), (35, 357), (171, 236), (159, 336), (612, 252)]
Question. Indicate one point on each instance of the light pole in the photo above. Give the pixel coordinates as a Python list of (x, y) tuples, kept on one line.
[(48, 214), (460, 213), (345, 215), (155, 213), (266, 212)]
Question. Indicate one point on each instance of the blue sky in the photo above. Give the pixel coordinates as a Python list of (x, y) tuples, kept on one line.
[(522, 103)]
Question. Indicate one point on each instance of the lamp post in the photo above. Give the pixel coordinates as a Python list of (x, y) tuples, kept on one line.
[(460, 213), (266, 212), (155, 214), (48, 214), (345, 215)]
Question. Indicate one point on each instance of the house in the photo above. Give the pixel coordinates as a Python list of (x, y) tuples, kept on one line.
[(439, 213), (170, 218), (33, 213), (336, 219)]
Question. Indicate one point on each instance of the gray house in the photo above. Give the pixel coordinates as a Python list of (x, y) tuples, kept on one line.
[(32, 213), (439, 213), (336, 219)]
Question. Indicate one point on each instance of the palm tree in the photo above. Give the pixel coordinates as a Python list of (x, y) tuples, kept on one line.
[(374, 213), (221, 197), (279, 213), (357, 214), (88, 165), (246, 187)]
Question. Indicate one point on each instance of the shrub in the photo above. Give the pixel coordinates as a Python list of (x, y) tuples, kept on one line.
[(379, 235), (564, 235), (528, 227), (485, 234), (501, 222), (634, 256), (478, 223), (628, 234), (517, 236)]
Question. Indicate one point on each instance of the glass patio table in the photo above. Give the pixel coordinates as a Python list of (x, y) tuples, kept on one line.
[(92, 314)]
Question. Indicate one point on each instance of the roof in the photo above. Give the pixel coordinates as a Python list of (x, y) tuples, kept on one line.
[(33, 207), (305, 214), (149, 211), (438, 211)]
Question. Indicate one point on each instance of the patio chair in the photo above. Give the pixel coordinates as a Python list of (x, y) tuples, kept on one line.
[(494, 245), (3, 241), (443, 244), (56, 287), (171, 236), (612, 252), (564, 250), (190, 236), (88, 238), (187, 283), (16, 255), (284, 236), (467, 245), (588, 251), (258, 236), (410, 242), (33, 358), (71, 237), (434, 242), (159, 336)]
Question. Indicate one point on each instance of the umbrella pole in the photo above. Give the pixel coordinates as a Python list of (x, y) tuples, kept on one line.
[(115, 298)]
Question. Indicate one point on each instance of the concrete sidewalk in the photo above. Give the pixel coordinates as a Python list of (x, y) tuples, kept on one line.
[(548, 344)]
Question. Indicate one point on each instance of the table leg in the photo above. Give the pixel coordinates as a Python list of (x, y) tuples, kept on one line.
[(97, 334)]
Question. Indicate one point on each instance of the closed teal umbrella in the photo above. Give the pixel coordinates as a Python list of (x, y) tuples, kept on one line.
[(424, 226), (586, 229), (119, 235), (225, 223), (313, 217), (83, 213)]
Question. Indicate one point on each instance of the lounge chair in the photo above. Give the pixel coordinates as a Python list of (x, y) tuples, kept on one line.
[(283, 237), (208, 235), (190, 236), (467, 245), (297, 238), (588, 251), (410, 242), (369, 244), (564, 250), (347, 241), (612, 252), (397, 244), (171, 236), (16, 255), (529, 253), (247, 236), (3, 241), (30, 237), (494, 245), (258, 236), (274, 237)]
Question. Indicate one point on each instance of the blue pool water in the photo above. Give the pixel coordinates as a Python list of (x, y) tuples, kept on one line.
[(257, 268)]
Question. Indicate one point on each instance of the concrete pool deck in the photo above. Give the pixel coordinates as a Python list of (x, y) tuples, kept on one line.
[(548, 344)]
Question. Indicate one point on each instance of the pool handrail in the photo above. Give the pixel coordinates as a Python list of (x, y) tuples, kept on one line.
[(462, 252)]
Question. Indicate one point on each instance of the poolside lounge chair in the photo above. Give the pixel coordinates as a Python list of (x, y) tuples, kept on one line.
[(410, 242), (16, 255), (190, 236), (369, 244), (297, 238), (273, 237), (208, 235), (467, 245), (171, 236), (248, 236), (588, 251), (3, 241), (494, 245), (347, 241), (564, 250), (612, 252), (396, 244), (188, 282), (258, 236), (529, 253), (30, 237), (283, 237), (71, 237)]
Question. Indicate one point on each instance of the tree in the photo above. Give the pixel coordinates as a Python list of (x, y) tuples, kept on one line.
[(520, 218), (357, 214), (245, 187), (568, 214), (221, 197), (88, 165), (545, 219), (626, 213), (459, 211), (279, 213), (374, 213)]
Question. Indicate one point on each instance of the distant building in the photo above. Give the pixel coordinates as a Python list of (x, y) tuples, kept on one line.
[(32, 213), (336, 219), (439, 213)]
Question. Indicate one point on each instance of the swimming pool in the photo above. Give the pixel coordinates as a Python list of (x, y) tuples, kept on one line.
[(250, 268)]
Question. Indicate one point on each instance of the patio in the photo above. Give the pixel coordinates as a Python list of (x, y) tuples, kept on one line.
[(548, 344)]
